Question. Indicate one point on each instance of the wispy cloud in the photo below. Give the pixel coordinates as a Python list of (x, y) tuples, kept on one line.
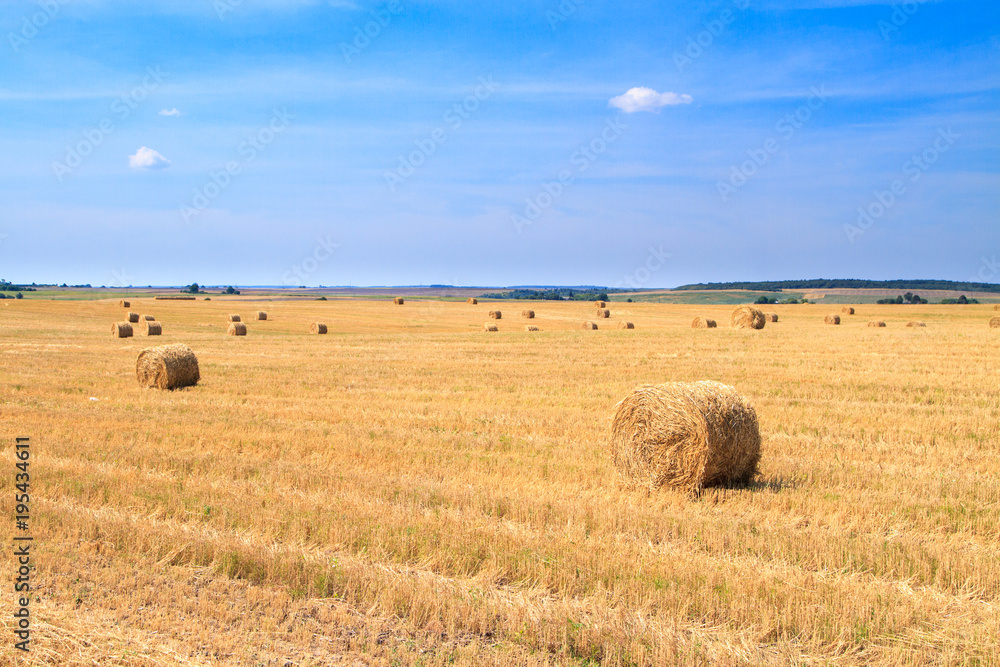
[(647, 99), (147, 158)]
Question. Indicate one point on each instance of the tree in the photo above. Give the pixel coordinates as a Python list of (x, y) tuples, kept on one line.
[(193, 288)]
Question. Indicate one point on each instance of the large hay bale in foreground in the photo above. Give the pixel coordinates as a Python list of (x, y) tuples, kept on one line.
[(590, 326), (261, 316), (530, 314), (847, 310), (603, 312), (167, 367), (915, 324), (121, 330), (832, 319), (317, 328), (472, 301), (600, 304), (490, 327), (237, 329), (703, 323), (398, 301), (626, 325), (153, 329), (995, 323), (747, 317), (235, 318), (772, 317), (532, 327), (124, 304), (876, 323), (133, 318), (496, 315), (685, 435)]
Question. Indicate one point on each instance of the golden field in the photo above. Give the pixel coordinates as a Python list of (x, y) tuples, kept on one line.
[(411, 490)]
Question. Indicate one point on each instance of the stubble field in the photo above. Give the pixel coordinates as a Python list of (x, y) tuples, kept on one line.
[(409, 489)]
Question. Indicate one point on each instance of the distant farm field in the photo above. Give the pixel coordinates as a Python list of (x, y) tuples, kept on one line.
[(409, 489)]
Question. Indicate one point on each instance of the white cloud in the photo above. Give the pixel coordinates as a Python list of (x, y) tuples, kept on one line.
[(647, 99), (147, 158), (170, 112)]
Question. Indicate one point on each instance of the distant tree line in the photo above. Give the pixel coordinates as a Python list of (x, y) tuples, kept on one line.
[(778, 285), (7, 286), (554, 294)]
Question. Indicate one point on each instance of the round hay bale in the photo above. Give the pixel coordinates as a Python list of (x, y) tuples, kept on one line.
[(124, 304), (133, 318), (915, 324), (600, 304), (530, 314), (490, 327), (995, 323), (317, 328), (532, 327), (398, 301), (685, 435), (772, 317), (153, 329), (590, 326), (472, 301), (876, 323), (603, 312), (496, 315), (703, 323), (996, 306), (261, 316), (149, 318), (237, 329), (747, 317), (626, 325), (167, 367), (121, 330), (847, 310), (832, 319), (234, 318)]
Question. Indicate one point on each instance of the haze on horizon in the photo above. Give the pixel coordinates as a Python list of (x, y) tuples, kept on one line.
[(270, 142)]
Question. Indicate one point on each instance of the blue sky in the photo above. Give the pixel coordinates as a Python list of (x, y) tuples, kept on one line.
[(274, 142)]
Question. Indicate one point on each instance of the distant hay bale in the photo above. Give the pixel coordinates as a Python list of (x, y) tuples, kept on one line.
[(317, 328), (530, 314), (149, 318), (532, 327), (876, 323), (600, 304), (685, 435), (847, 310), (603, 312), (174, 298), (496, 315), (398, 301), (133, 317), (589, 326), (832, 319), (121, 330), (472, 301), (703, 323), (996, 306), (153, 329), (772, 317), (995, 323), (234, 318), (915, 324), (167, 367), (490, 327), (124, 304), (261, 316), (237, 329), (626, 325), (747, 317)]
